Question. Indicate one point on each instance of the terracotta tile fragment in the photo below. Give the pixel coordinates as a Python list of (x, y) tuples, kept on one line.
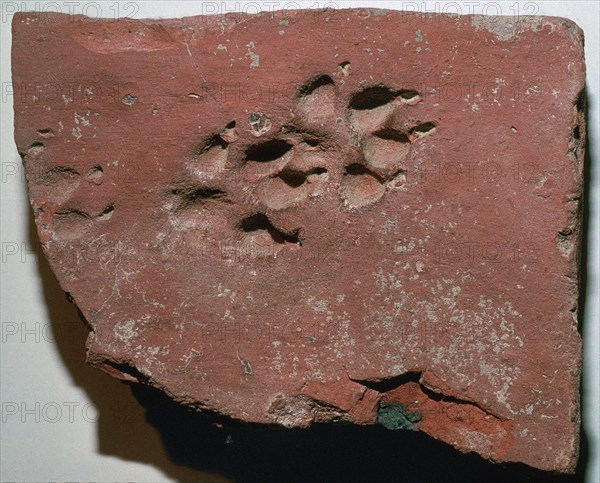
[(357, 216)]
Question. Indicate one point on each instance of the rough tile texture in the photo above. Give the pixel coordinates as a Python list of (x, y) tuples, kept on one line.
[(358, 216)]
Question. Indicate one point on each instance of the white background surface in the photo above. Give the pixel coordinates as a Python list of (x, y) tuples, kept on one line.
[(50, 424)]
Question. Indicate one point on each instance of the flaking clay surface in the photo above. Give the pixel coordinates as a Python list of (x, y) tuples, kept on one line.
[(353, 216)]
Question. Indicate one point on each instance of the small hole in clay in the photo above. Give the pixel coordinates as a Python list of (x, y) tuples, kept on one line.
[(293, 179), (46, 133), (425, 128), (108, 211), (314, 84), (94, 175), (372, 98), (260, 221), (392, 135), (345, 68), (267, 151), (408, 94)]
